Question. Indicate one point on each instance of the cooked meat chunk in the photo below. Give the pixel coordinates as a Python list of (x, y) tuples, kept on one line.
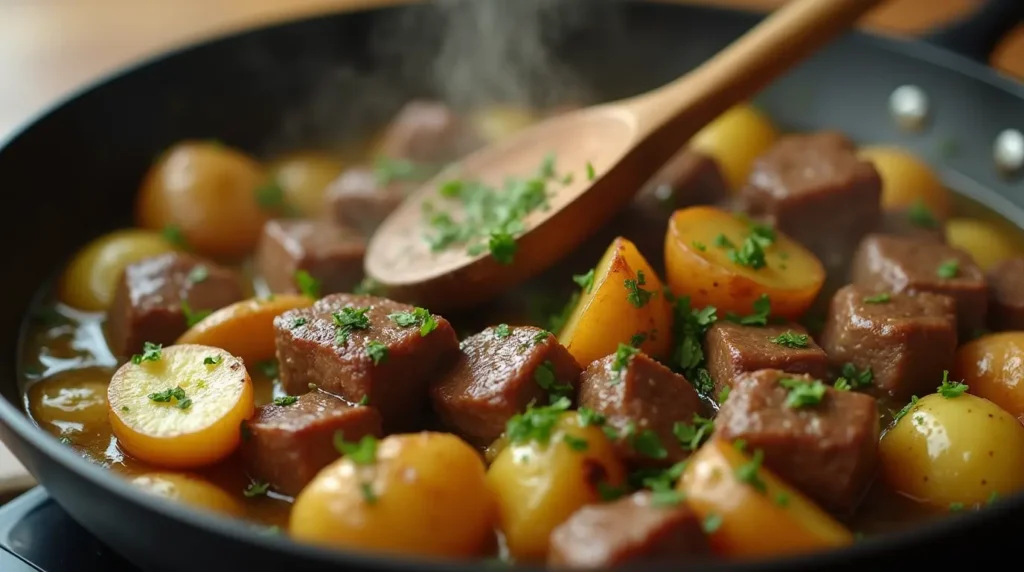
[(158, 298), (825, 444), (286, 443), (366, 347), (427, 132), (903, 341), (330, 254), (816, 190), (895, 264), (641, 400), (733, 349), (1006, 295), (632, 530), (500, 372), (360, 200), (907, 224)]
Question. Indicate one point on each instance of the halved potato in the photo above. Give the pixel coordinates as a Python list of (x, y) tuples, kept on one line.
[(907, 180), (734, 140), (192, 490), (245, 329)]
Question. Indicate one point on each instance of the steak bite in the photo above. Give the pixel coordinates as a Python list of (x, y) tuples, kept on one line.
[(287, 442), (819, 439), (896, 264), (1006, 295), (815, 189), (641, 401), (733, 349), (427, 132), (158, 298), (360, 347), (631, 530), (332, 255), (501, 370), (359, 199), (903, 341)]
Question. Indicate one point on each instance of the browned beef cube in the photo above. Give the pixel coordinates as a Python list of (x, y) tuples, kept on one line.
[(286, 445), (905, 341), (499, 373), (631, 530), (157, 297), (733, 349), (904, 223), (895, 264), (641, 402), (359, 200), (1006, 295), (427, 132), (816, 190), (331, 254), (362, 346), (828, 449)]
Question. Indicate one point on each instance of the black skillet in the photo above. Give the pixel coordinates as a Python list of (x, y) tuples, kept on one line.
[(72, 174)]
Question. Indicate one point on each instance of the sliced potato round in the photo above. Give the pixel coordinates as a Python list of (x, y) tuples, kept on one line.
[(244, 329), (191, 490), (181, 406)]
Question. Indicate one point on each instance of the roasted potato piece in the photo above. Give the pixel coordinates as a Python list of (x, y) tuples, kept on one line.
[(992, 367), (907, 180), (750, 512), (987, 243), (422, 494), (215, 197), (89, 280), (955, 450), (303, 177), (721, 260), (191, 490), (180, 407), (624, 298), (72, 401), (244, 329), (542, 477), (735, 139)]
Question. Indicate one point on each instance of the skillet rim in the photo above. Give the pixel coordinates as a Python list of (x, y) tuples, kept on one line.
[(22, 426)]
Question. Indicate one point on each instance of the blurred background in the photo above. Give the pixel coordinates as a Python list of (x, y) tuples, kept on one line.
[(48, 48)]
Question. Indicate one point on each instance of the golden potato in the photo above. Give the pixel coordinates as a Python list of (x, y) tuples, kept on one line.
[(214, 196), (73, 400), (303, 177), (946, 450), (735, 139), (498, 121), (191, 490), (542, 476), (721, 260), (625, 298), (987, 243), (750, 512), (993, 367), (90, 279), (907, 180), (181, 406), (422, 494)]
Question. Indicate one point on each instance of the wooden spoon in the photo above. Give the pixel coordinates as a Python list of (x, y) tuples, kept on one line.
[(625, 142)]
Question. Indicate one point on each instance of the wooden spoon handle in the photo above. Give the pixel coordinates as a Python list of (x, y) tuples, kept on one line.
[(670, 115)]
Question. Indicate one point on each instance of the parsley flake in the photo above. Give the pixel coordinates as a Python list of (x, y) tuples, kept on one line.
[(882, 298), (150, 352), (638, 339), (349, 319), (591, 173), (948, 269), (270, 195), (950, 389), (623, 355), (174, 235), (790, 339), (255, 489), (636, 295), (268, 368), (285, 400), (307, 285), (588, 417), (502, 331), (198, 274), (212, 360), (711, 523), (377, 351), (921, 216), (536, 423), (856, 379), (762, 309), (803, 393), (418, 317), (648, 444), (692, 435), (585, 280), (192, 317), (175, 394), (544, 375), (906, 409), (749, 472), (575, 443), (362, 452)]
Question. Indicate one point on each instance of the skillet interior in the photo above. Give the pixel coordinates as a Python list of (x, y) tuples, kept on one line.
[(267, 88)]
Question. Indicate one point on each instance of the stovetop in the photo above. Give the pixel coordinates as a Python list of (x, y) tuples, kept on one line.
[(36, 535)]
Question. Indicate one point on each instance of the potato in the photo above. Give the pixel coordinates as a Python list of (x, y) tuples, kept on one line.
[(303, 177), (180, 407), (699, 249), (993, 367), (987, 243), (422, 494), (244, 329), (191, 490), (212, 194), (89, 280), (750, 512), (960, 450), (907, 180), (73, 400), (498, 121), (735, 139), (541, 482), (607, 313)]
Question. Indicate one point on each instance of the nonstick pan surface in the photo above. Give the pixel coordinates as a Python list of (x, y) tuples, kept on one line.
[(71, 175)]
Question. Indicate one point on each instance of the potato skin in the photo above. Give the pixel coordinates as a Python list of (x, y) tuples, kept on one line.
[(539, 486), (987, 243), (429, 498), (735, 139), (907, 180), (960, 450), (191, 490), (753, 523), (993, 367)]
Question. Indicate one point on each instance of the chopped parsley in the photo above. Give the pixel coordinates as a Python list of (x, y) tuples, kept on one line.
[(691, 435), (418, 317), (172, 233), (906, 409), (285, 400), (198, 274), (349, 319), (366, 489), (591, 173), (192, 317), (762, 309), (948, 269), (882, 298), (956, 506), (667, 497), (255, 489), (388, 170), (502, 246), (377, 351), (364, 400), (689, 326), (749, 472), (842, 384), (782, 499), (175, 394), (623, 355), (636, 295), (712, 522), (575, 443), (502, 331), (950, 389), (791, 339), (368, 286), (150, 352), (751, 251), (544, 375), (921, 216), (540, 337), (588, 417), (268, 367), (298, 323), (722, 241), (638, 339), (125, 408), (536, 423), (212, 360), (585, 280), (803, 393), (609, 492), (700, 246), (855, 378), (270, 195), (362, 452), (647, 443), (307, 285), (724, 394)]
